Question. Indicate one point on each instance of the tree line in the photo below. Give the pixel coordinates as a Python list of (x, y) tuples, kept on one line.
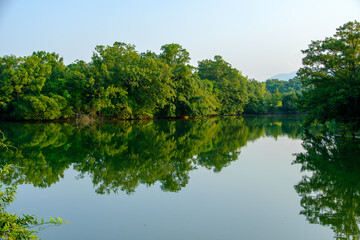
[(119, 82)]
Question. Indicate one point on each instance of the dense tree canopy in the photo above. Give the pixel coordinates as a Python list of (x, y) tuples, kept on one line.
[(229, 84), (331, 75), (284, 87), (121, 83)]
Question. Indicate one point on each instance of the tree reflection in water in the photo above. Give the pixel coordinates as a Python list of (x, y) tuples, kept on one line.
[(123, 155), (330, 191)]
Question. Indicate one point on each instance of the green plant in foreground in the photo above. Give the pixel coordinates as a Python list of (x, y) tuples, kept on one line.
[(13, 226)]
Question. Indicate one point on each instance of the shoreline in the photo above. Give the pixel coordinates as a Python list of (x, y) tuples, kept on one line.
[(97, 119)]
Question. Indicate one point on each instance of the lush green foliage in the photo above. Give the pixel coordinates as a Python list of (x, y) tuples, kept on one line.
[(284, 87), (229, 85), (331, 75), (121, 83), (32, 87), (273, 96), (13, 226)]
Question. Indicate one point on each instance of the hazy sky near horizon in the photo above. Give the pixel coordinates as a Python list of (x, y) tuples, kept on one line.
[(261, 38)]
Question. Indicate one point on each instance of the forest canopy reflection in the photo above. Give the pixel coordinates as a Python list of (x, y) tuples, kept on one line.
[(123, 155), (330, 194)]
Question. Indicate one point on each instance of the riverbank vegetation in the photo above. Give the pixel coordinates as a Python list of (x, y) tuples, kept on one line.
[(122, 83), (13, 226), (331, 74)]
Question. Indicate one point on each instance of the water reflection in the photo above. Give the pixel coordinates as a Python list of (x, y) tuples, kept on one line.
[(123, 155), (330, 191)]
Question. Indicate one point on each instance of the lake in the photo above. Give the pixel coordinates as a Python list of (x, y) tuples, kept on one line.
[(211, 178)]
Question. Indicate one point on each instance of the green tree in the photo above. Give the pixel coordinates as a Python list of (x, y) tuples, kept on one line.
[(229, 85), (128, 84), (174, 54), (274, 101), (80, 86), (193, 96), (331, 74), (284, 87), (289, 103), (9, 88), (33, 87), (257, 98), (272, 84)]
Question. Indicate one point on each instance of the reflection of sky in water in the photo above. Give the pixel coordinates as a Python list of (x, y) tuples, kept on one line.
[(253, 198)]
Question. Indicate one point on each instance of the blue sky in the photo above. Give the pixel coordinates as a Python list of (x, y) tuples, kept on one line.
[(261, 38)]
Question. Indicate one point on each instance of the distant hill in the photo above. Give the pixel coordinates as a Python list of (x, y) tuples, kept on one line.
[(284, 76)]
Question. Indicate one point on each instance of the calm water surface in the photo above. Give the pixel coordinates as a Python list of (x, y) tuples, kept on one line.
[(216, 178)]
